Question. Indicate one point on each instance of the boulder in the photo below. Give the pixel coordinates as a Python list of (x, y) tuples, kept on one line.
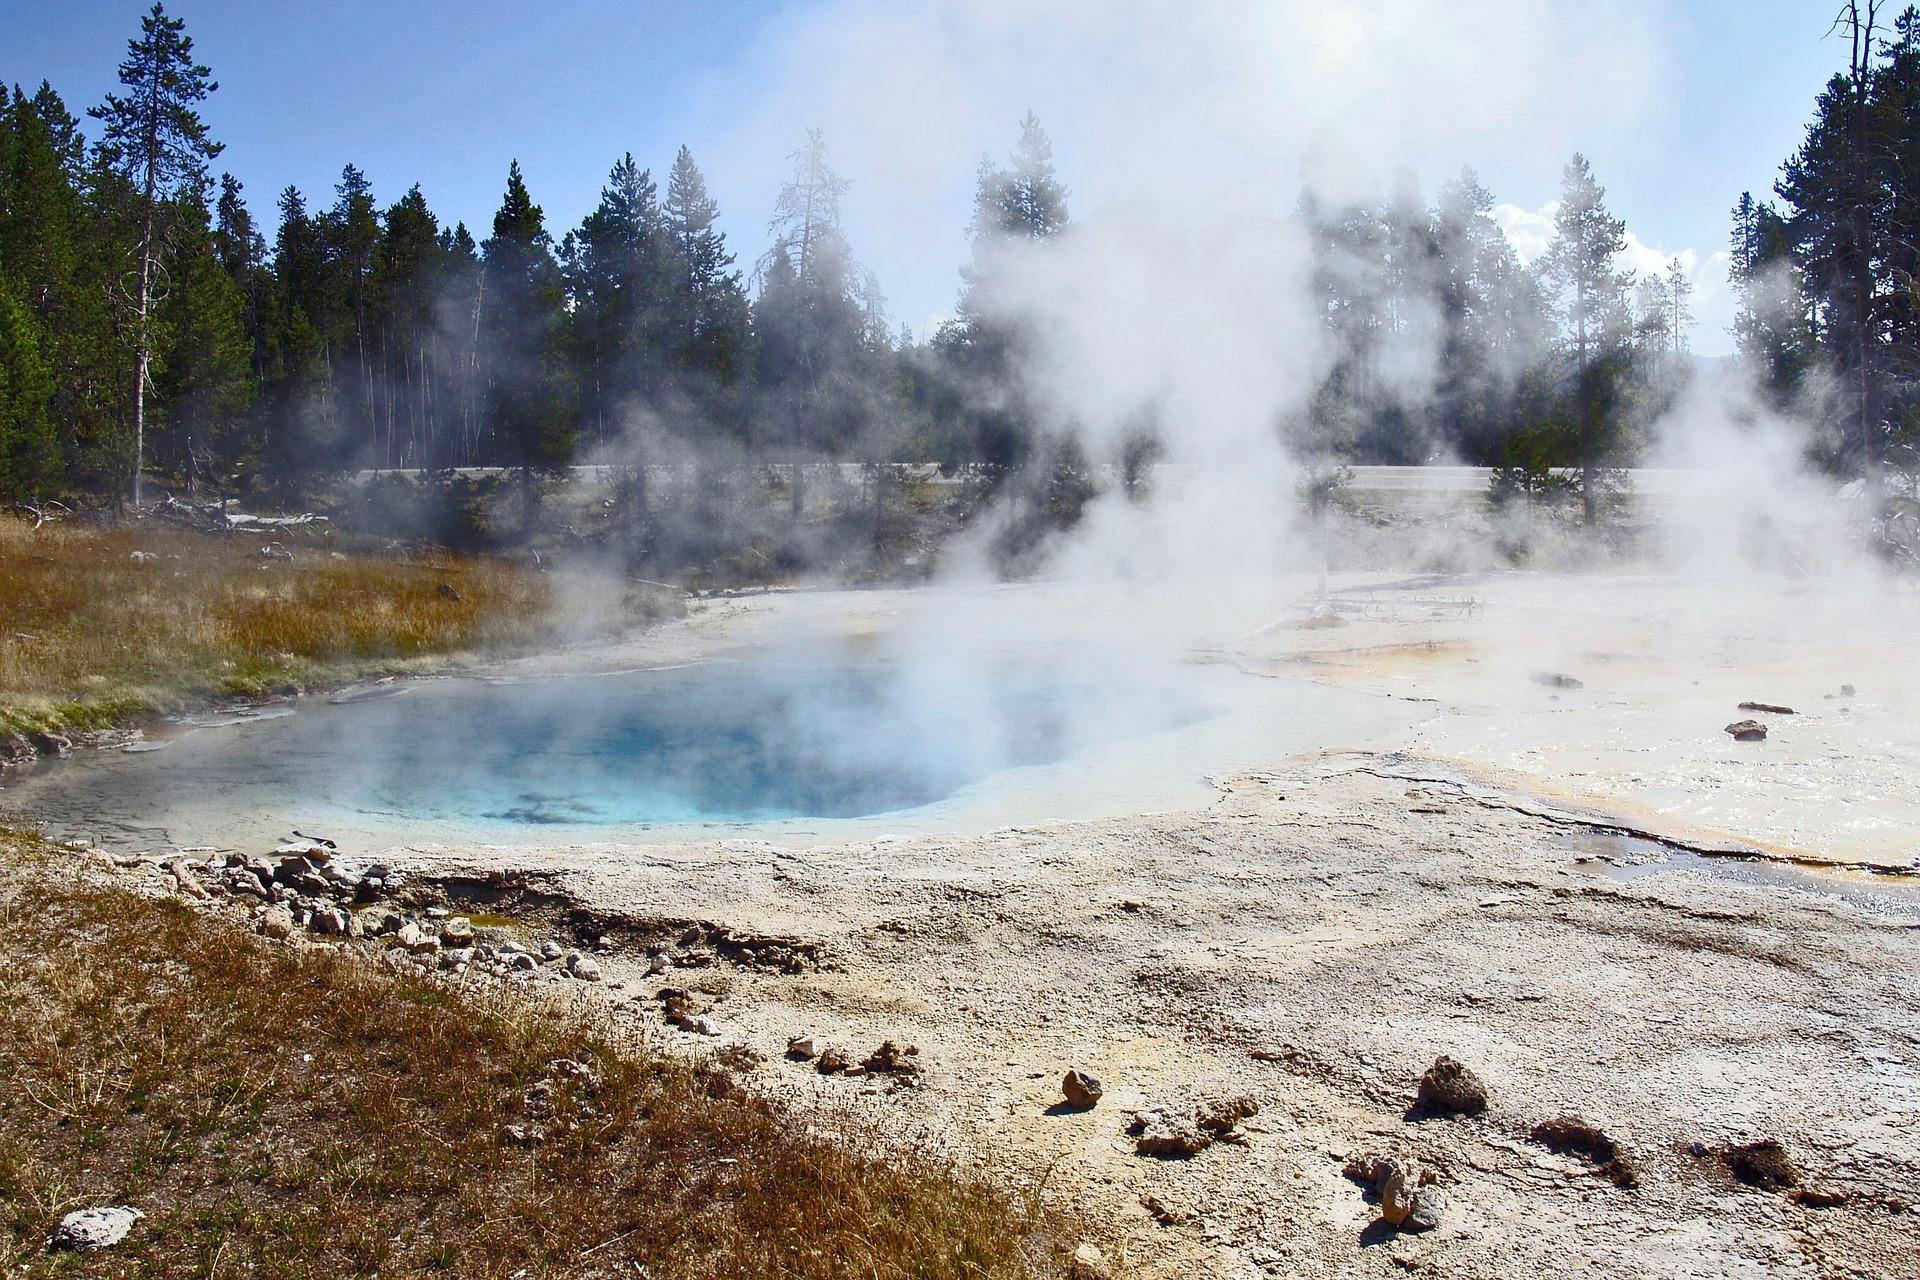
[(1082, 1089), (277, 922), (1450, 1089), (803, 1048), (551, 950), (1747, 731), (585, 968), (91, 1229)]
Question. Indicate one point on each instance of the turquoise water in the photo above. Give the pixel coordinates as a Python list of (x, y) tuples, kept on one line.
[(742, 742)]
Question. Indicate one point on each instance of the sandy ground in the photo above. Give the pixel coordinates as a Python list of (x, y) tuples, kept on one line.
[(1325, 927)]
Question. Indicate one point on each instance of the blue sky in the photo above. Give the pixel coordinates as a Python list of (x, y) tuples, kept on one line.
[(1680, 104)]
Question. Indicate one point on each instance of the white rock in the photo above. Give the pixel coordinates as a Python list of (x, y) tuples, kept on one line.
[(551, 950), (91, 1229), (584, 968)]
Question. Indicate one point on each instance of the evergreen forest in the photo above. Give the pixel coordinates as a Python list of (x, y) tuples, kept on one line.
[(164, 331)]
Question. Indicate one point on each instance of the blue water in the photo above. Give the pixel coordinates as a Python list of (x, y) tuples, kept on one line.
[(715, 743)]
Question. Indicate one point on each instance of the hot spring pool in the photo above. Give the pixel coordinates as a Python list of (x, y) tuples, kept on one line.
[(788, 746)]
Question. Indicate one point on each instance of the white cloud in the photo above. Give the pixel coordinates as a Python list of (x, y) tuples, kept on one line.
[(1530, 232)]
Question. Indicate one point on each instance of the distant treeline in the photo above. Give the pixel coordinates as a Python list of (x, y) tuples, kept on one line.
[(152, 325)]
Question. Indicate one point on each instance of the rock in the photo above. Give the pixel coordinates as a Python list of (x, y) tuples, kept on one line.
[(1088, 1264), (50, 744), (1764, 1164), (1429, 1206), (377, 923), (91, 1229), (1450, 1089), (417, 940), (894, 1059), (456, 931), (446, 592), (1167, 1136), (585, 968), (1747, 731), (1555, 680), (803, 1048), (1820, 1197), (185, 879), (277, 923), (585, 1075), (1082, 1089), (1767, 707), (551, 950), (332, 921), (1221, 1116), (703, 1026), (1846, 691), (1398, 1190), (832, 1061), (1571, 1135), (314, 851), (525, 1135)]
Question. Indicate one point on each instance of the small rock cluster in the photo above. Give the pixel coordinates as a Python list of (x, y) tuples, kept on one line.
[(305, 888), (902, 1062), (1175, 1133), (1408, 1199), (560, 1100)]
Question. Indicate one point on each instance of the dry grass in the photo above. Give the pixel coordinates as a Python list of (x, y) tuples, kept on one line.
[(305, 1114), (102, 626)]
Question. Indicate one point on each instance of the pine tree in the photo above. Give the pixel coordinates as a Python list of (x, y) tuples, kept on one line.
[(527, 394), (615, 275), (55, 222), (1592, 294), (351, 233), (412, 370), (1772, 326), (156, 140), (202, 381), (28, 450), (705, 302), (812, 323)]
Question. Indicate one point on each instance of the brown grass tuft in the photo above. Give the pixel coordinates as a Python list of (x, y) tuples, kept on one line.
[(304, 1114), (101, 626)]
